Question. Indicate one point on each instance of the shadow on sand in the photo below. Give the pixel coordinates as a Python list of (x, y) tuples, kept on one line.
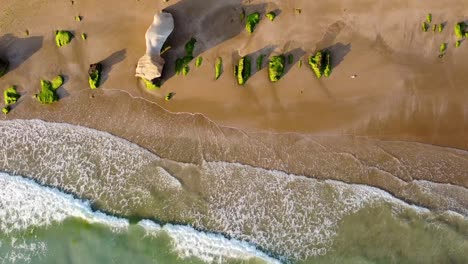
[(110, 61), (210, 22), (297, 55), (18, 50), (338, 53)]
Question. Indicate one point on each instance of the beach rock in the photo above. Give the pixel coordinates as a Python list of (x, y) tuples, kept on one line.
[(94, 73), (151, 64), (3, 67)]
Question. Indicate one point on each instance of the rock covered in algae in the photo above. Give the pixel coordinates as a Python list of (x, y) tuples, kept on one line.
[(151, 64)]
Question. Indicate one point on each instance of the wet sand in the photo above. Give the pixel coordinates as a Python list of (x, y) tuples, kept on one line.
[(403, 91)]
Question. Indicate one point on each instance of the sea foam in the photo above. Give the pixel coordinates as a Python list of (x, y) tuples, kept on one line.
[(25, 204)]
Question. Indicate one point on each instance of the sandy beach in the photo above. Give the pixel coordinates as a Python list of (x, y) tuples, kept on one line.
[(403, 90), (401, 125)]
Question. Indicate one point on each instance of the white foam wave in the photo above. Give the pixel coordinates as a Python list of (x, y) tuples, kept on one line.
[(85, 162), (284, 212), (25, 204)]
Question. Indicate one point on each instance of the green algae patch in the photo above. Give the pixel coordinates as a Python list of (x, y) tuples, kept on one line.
[(185, 70), (290, 59), (48, 94), (218, 68), (152, 85), (3, 67), (57, 82), (441, 28), (321, 63), (190, 46), (94, 75), (10, 95), (260, 61), (429, 18), (271, 15), (252, 21), (276, 67), (63, 37), (460, 30), (199, 62), (443, 48), (169, 96), (182, 64), (424, 26), (242, 71), (6, 110)]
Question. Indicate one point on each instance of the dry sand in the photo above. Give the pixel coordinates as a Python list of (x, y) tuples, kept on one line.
[(403, 90)]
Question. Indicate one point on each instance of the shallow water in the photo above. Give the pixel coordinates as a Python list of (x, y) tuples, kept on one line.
[(288, 217)]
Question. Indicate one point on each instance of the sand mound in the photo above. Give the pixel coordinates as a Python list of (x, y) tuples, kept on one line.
[(151, 64)]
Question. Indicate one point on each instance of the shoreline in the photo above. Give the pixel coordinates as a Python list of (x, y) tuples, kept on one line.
[(401, 92), (401, 89)]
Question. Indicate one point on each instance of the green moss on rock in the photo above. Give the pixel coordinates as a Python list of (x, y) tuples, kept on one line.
[(429, 18), (3, 67), (276, 67), (181, 64), (218, 68), (243, 70), (460, 30), (153, 84), (252, 21), (443, 48), (94, 74), (10, 95), (321, 63), (271, 15), (48, 94), (185, 70), (57, 82), (169, 96), (6, 110), (199, 62), (424, 26), (260, 61), (441, 28), (63, 37)]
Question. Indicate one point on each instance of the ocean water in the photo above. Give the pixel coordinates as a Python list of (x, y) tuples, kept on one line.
[(96, 198)]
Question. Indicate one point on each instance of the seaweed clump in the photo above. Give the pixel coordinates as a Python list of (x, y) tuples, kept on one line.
[(153, 84), (63, 37), (182, 64), (199, 62), (57, 82), (460, 30), (94, 74), (260, 61), (321, 63), (271, 15), (169, 96), (11, 96), (48, 94), (3, 67), (276, 67), (218, 68), (242, 71), (252, 21), (6, 110)]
